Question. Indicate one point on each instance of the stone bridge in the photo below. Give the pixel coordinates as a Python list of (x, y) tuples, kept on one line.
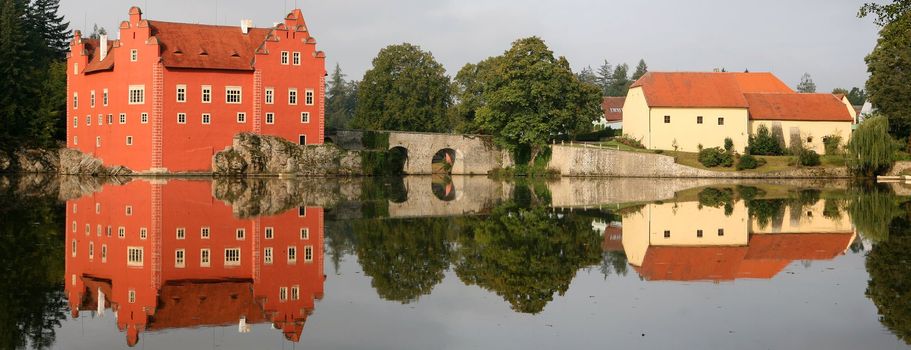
[(470, 154)]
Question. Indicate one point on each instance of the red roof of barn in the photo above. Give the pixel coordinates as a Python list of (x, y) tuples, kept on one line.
[(613, 102), (207, 46), (810, 107), (691, 89)]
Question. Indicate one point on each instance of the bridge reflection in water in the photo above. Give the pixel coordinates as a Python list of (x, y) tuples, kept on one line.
[(169, 255)]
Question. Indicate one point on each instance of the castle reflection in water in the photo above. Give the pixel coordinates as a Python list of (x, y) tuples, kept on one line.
[(169, 255)]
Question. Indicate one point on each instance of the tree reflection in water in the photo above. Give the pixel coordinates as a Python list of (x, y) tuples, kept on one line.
[(889, 266)]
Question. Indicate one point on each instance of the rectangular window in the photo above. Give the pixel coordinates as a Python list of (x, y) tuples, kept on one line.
[(92, 99), (301, 212), (73, 252), (98, 141), (720, 232), (308, 253), (110, 119), (241, 234), (233, 95), (91, 250), (104, 253), (720, 120), (283, 293), (181, 93), (302, 139), (76, 140), (270, 96), (137, 94), (292, 96), (75, 122), (204, 258), (132, 297), (296, 59), (206, 118), (309, 98), (305, 117), (104, 97), (305, 233), (75, 100), (101, 120), (295, 292), (285, 57), (667, 234), (232, 257), (206, 94), (128, 210), (667, 119), (699, 233), (76, 68), (129, 140), (181, 233), (143, 233), (241, 117), (204, 232), (181, 118), (121, 232), (270, 232), (180, 258), (699, 120), (134, 256), (292, 254), (134, 55), (88, 120), (123, 118), (109, 231), (267, 255), (270, 118), (144, 118)]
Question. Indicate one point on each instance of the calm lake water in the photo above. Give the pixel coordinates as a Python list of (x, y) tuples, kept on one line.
[(461, 263)]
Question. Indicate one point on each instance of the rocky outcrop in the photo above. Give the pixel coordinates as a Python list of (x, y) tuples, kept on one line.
[(262, 197), (29, 161), (73, 162), (252, 154)]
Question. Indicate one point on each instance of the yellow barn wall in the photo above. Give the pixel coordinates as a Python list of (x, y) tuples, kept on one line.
[(851, 109), (811, 133), (689, 135), (635, 116)]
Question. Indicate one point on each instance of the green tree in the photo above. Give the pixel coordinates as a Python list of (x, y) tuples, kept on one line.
[(587, 75), (620, 81), (857, 96), (885, 13), (806, 85), (342, 100), (468, 90), (16, 75), (51, 28), (889, 66), (871, 150), (605, 76), (407, 89), (534, 97), (49, 122), (841, 91), (641, 69)]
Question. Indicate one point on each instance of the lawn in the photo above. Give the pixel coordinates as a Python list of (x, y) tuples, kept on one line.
[(773, 163)]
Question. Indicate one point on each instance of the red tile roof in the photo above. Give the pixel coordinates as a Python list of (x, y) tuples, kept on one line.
[(613, 239), (95, 63), (721, 90), (799, 246), (804, 107), (205, 304), (207, 46), (613, 102)]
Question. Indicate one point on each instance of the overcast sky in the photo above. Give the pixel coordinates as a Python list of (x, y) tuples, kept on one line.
[(786, 37)]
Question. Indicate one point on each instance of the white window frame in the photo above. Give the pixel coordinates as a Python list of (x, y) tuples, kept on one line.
[(181, 233), (76, 140), (241, 117), (292, 254), (270, 118), (296, 58), (73, 251), (101, 120), (292, 96), (269, 232), (180, 258), (283, 294), (137, 94), (205, 232), (75, 122), (206, 94), (234, 91), (240, 234), (123, 118), (129, 140), (268, 255), (110, 119), (92, 99), (181, 93), (132, 296), (295, 292), (143, 233), (205, 257), (206, 119), (134, 55), (144, 118), (76, 68), (304, 136), (284, 59), (305, 117), (98, 141), (88, 120), (75, 100), (181, 118), (104, 253), (270, 96), (128, 210), (309, 97), (305, 233), (308, 254), (121, 232), (135, 256), (235, 254), (105, 98)]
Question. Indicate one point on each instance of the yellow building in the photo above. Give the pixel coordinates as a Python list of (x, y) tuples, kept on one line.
[(686, 110)]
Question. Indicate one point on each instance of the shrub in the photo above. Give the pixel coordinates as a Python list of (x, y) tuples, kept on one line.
[(832, 144), (728, 144), (808, 157), (715, 156), (764, 143), (749, 162), (871, 148), (629, 141)]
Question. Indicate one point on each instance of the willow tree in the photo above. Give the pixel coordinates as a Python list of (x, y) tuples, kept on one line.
[(871, 148)]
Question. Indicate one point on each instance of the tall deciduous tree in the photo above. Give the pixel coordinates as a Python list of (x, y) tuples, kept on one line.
[(889, 66), (871, 149), (407, 89), (641, 69), (857, 96), (620, 81), (806, 84), (533, 97), (468, 90)]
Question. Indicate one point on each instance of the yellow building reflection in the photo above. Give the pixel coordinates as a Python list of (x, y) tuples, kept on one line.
[(690, 241)]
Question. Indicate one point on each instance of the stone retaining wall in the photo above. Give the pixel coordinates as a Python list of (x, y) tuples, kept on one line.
[(590, 161)]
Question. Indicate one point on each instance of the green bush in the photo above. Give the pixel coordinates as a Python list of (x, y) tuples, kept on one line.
[(808, 157), (764, 143), (715, 156), (629, 141), (832, 143), (871, 150), (728, 145), (749, 162)]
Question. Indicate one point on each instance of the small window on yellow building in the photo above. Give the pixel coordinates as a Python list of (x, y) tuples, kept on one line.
[(667, 119), (667, 234), (699, 120), (720, 120)]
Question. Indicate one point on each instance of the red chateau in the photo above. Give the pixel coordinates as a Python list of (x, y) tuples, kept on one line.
[(165, 97), (165, 256)]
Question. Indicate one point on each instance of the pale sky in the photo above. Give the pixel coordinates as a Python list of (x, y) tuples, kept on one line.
[(787, 37)]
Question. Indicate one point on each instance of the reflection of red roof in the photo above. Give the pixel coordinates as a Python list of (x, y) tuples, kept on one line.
[(613, 239), (90, 299), (613, 108), (811, 107), (689, 89), (766, 255), (205, 304), (186, 45)]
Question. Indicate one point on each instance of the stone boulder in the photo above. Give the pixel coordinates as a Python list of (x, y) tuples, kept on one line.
[(252, 154), (6, 162), (73, 162), (30, 161)]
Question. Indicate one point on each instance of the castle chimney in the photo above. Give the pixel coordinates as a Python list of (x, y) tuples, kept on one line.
[(245, 25), (103, 47)]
